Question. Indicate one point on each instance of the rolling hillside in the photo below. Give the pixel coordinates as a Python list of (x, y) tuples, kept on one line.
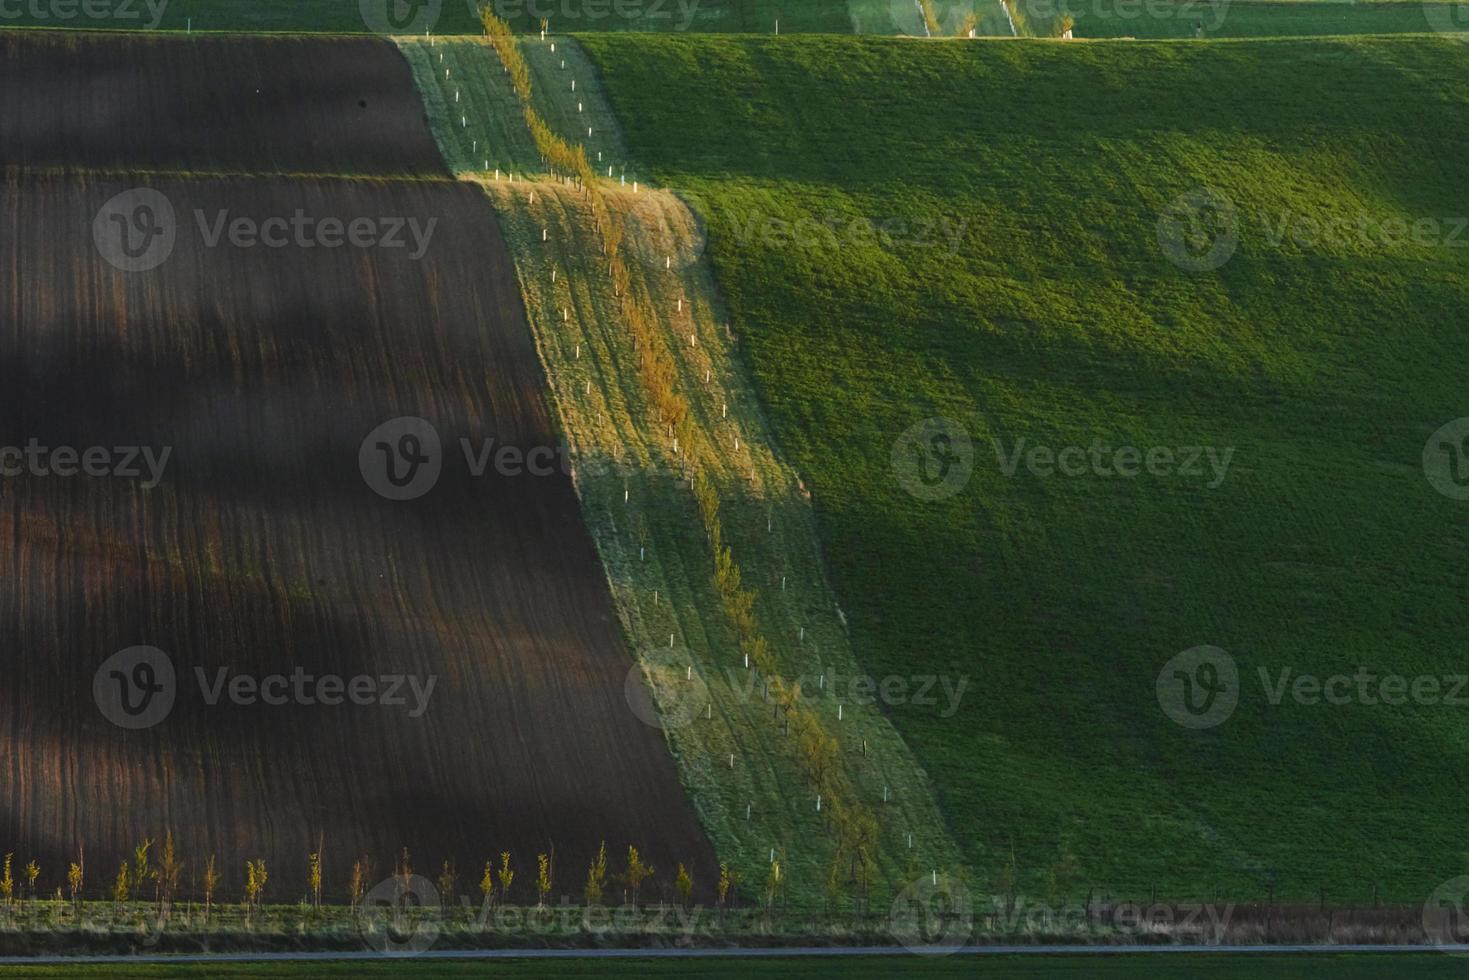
[(1010, 236)]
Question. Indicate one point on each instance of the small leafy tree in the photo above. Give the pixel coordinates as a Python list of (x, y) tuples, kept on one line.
[(75, 879), (7, 881), (120, 887), (33, 871), (211, 882), (774, 882), (446, 882), (724, 883), (487, 884), (357, 885), (596, 877), (170, 869), (543, 879), (255, 879), (1005, 882), (683, 882), (142, 872), (834, 884), (506, 877), (313, 878), (404, 875), (637, 872)]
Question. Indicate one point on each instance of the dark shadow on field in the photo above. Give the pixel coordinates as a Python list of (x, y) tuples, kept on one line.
[(263, 549), (209, 103)]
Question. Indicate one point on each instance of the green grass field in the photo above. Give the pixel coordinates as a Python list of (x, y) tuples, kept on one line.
[(1242, 18), (1216, 966), (445, 16), (1018, 285), (1094, 18)]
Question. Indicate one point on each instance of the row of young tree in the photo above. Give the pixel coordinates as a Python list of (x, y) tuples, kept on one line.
[(853, 825), (157, 876)]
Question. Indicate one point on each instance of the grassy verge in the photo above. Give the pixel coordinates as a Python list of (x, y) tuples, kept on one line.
[(1213, 966), (1242, 18)]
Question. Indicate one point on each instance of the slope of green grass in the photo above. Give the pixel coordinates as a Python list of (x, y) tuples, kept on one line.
[(460, 78), (1017, 285), (1243, 18)]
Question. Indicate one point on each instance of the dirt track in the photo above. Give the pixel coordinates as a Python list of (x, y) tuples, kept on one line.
[(263, 548)]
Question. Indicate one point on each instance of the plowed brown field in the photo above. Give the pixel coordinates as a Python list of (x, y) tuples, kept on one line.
[(263, 549), (209, 103)]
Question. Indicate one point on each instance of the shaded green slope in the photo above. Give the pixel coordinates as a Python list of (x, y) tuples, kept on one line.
[(1018, 286), (1094, 18)]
